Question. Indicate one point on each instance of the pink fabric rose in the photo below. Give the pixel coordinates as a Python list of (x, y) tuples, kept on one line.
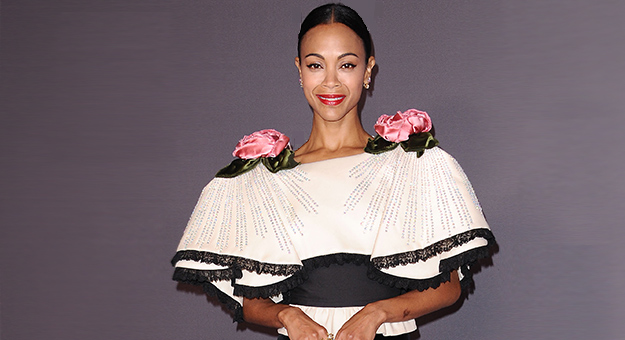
[(400, 126), (263, 143)]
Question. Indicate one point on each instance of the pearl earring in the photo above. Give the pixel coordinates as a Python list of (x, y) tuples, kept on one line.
[(366, 86), (367, 83)]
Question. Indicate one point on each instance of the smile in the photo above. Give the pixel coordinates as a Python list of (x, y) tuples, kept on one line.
[(331, 99)]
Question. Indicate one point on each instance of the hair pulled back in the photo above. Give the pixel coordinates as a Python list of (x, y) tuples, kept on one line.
[(336, 13)]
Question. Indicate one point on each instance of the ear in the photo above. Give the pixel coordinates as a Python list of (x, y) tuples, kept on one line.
[(370, 65), (299, 67)]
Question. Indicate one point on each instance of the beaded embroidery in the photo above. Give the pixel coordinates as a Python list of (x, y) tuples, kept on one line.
[(273, 214), (412, 205), (400, 182)]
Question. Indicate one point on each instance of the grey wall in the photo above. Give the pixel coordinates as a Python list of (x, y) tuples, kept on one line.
[(115, 114)]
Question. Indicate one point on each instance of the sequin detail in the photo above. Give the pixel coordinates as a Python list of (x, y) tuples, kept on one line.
[(223, 224), (366, 172), (424, 205)]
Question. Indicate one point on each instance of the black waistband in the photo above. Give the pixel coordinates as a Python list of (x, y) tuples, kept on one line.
[(339, 285)]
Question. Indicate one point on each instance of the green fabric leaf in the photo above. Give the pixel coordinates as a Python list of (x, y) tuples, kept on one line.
[(282, 161), (240, 166), (417, 142), (237, 167), (378, 145)]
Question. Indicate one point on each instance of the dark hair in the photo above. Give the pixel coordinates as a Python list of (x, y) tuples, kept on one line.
[(336, 13)]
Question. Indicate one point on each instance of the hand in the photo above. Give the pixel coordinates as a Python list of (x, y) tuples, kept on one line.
[(362, 325), (300, 326)]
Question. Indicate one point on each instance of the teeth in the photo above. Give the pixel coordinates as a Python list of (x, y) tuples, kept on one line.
[(331, 99)]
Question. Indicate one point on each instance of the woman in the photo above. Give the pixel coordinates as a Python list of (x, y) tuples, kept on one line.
[(330, 241)]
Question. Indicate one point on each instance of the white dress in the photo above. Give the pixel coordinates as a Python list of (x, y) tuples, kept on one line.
[(411, 219)]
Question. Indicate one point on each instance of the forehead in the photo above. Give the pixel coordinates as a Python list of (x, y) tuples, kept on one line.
[(332, 38)]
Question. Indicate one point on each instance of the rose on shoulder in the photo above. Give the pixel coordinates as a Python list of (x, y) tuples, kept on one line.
[(263, 143), (399, 127)]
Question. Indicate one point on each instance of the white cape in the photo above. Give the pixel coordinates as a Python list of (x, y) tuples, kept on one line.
[(415, 218)]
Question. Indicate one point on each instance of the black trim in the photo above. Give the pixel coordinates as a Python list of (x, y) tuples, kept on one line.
[(299, 277), (461, 261), (274, 289), (198, 277), (229, 302), (469, 256), (408, 284), (437, 248), (236, 262), (299, 274)]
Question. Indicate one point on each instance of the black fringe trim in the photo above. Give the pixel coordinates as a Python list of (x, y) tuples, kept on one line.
[(405, 283), (299, 277), (198, 277), (299, 274), (467, 257), (236, 263), (437, 248), (274, 289), (446, 266)]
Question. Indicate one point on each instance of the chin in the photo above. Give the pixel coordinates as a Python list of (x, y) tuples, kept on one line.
[(332, 115)]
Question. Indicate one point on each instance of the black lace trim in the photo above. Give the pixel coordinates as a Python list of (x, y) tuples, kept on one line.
[(274, 289), (198, 277), (195, 277), (204, 277), (408, 284), (299, 277), (236, 263), (462, 259), (437, 248), (446, 266)]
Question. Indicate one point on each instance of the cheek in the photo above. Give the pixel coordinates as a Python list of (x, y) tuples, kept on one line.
[(354, 78), (312, 77), (354, 83)]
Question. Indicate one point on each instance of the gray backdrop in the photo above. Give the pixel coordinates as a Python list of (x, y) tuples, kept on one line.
[(115, 113)]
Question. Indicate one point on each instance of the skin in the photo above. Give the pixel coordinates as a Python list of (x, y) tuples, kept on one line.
[(332, 61)]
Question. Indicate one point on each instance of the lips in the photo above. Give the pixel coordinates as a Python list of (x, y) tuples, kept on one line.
[(331, 99)]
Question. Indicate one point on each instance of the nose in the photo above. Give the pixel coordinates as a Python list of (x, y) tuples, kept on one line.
[(331, 80)]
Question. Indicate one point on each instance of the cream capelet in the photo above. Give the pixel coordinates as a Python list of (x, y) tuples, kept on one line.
[(406, 208)]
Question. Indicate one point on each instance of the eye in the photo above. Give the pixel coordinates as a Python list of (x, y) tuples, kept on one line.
[(348, 66), (314, 66)]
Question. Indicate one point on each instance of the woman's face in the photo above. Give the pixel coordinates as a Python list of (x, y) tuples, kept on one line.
[(333, 68)]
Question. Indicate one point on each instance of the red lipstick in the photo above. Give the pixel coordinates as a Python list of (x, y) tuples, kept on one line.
[(331, 99)]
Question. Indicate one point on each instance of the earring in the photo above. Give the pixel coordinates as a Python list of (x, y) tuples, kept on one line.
[(300, 83), (367, 84)]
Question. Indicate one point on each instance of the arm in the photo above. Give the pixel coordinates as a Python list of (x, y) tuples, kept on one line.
[(267, 313), (411, 305)]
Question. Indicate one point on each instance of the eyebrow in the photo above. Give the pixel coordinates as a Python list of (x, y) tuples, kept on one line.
[(320, 56)]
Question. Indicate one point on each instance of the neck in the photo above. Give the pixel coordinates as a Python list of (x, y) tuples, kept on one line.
[(333, 139)]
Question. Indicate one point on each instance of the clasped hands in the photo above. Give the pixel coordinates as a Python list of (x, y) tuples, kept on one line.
[(361, 326)]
